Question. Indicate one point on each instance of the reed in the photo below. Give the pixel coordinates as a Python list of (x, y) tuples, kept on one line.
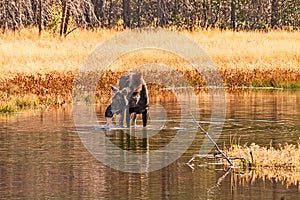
[(280, 164), (44, 68), (284, 156)]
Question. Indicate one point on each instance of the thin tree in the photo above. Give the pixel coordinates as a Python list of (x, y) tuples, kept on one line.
[(126, 13), (162, 12), (274, 13), (99, 10), (64, 18), (40, 18), (139, 12), (232, 14)]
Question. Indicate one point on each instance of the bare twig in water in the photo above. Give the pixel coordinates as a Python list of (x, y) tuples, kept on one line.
[(190, 164), (211, 140), (217, 185)]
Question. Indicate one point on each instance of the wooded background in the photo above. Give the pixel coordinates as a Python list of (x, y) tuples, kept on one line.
[(63, 16)]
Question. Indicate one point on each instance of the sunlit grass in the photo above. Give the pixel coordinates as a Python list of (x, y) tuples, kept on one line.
[(242, 52), (46, 67), (279, 164), (284, 156)]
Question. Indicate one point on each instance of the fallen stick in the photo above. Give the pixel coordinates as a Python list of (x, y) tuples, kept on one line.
[(211, 140)]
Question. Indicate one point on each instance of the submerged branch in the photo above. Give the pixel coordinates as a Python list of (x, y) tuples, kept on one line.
[(212, 141)]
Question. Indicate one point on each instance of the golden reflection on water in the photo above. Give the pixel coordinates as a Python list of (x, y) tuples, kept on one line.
[(41, 154), (285, 177)]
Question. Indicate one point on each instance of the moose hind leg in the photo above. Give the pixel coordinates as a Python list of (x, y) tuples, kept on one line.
[(121, 120), (145, 117), (127, 118)]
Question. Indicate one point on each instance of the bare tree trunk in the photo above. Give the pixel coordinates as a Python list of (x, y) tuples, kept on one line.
[(67, 20), (126, 13), (19, 10), (274, 13), (206, 11), (40, 18), (139, 12), (214, 11), (4, 19), (233, 3), (109, 17), (99, 10), (162, 15), (187, 14), (63, 25)]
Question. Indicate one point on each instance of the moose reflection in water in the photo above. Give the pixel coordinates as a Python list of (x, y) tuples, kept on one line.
[(130, 99), (163, 117)]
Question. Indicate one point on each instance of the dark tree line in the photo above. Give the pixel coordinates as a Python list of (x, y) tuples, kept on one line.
[(63, 15)]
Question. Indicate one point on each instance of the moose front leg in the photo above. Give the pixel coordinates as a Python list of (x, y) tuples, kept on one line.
[(128, 118), (121, 120), (108, 116), (133, 119)]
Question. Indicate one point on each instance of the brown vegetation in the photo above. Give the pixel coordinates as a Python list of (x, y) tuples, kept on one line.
[(278, 164), (42, 70), (284, 156), (281, 164)]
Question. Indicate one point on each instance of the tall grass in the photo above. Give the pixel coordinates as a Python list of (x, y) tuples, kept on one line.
[(280, 164), (45, 67), (284, 156)]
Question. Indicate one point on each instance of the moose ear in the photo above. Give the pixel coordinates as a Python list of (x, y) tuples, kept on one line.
[(114, 89)]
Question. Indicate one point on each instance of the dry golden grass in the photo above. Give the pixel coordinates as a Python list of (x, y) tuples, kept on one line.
[(45, 67), (25, 52), (285, 156), (281, 164)]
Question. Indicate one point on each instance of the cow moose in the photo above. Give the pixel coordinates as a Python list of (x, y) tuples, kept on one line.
[(130, 98)]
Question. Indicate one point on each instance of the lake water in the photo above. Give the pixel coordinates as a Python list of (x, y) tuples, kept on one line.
[(46, 154)]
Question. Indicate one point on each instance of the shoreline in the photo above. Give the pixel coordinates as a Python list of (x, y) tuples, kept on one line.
[(55, 90), (40, 71)]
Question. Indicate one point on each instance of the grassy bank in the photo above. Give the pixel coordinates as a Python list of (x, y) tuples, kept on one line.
[(284, 156), (40, 71), (279, 164)]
